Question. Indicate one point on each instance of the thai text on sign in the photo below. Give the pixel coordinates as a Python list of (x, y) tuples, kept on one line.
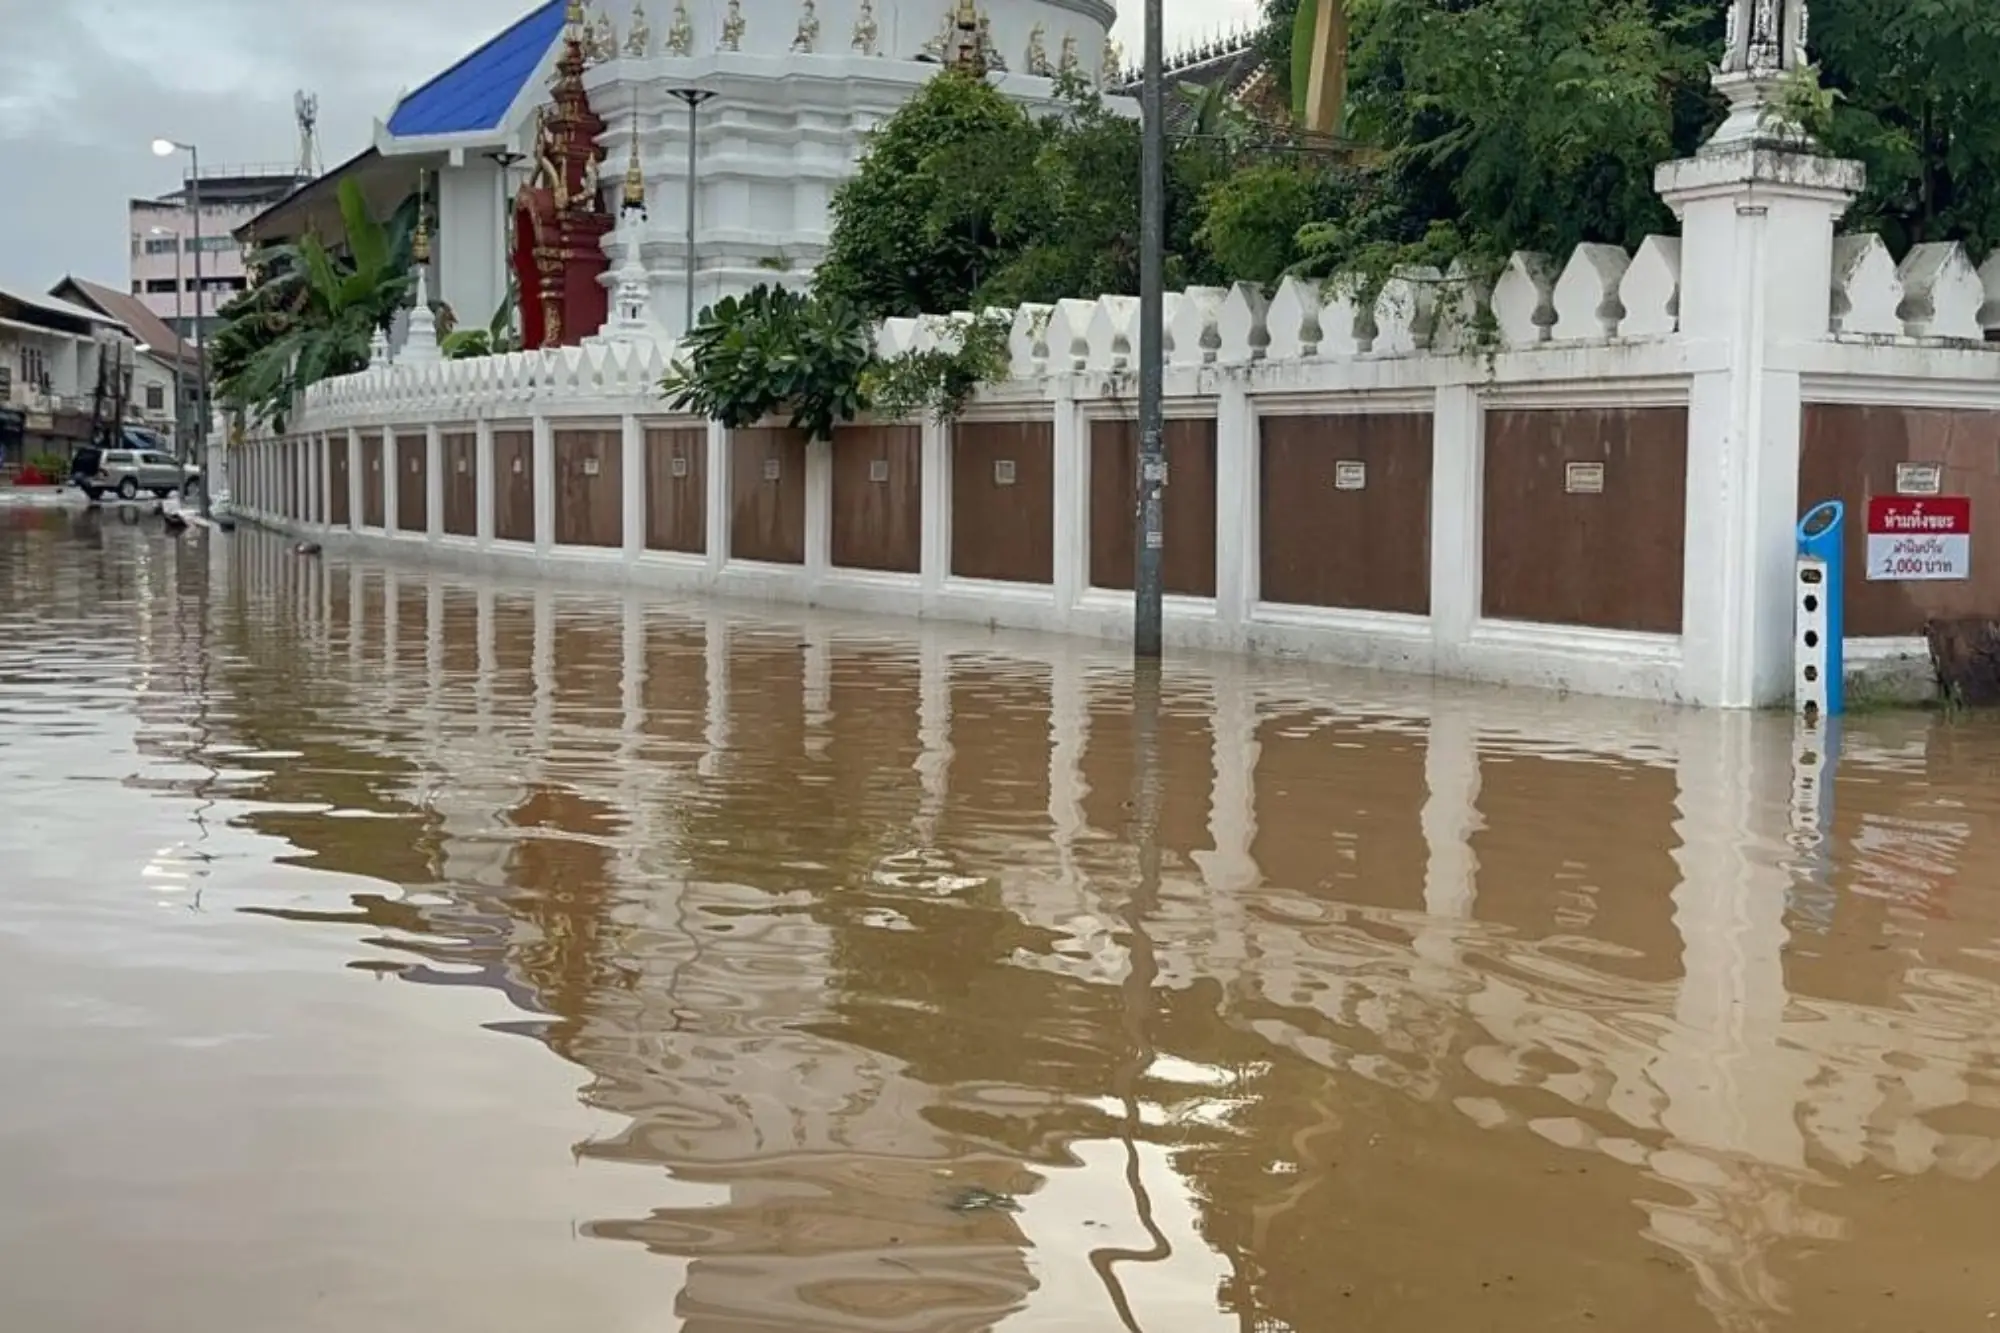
[(1912, 538)]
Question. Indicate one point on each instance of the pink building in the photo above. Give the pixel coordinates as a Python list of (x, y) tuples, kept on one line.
[(163, 241)]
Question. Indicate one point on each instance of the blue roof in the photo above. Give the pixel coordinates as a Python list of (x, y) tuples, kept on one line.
[(474, 94)]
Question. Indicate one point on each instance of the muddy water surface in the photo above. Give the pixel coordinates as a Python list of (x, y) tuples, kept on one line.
[(382, 949)]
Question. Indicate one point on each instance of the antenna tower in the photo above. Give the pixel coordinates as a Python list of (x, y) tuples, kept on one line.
[(305, 106)]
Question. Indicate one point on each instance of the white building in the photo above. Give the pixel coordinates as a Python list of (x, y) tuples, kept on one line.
[(50, 357)]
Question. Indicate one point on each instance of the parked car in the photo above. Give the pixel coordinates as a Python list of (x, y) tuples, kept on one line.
[(126, 472)]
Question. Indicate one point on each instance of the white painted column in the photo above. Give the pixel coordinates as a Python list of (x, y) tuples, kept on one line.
[(1458, 497), (353, 479), (934, 561), (719, 496), (482, 482), (1070, 520), (632, 499), (819, 512), (545, 485), (1756, 249), (433, 482), (1451, 811), (1237, 510), (392, 481), (322, 481)]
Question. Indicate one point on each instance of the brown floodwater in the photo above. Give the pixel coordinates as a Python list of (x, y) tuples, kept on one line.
[(382, 948)]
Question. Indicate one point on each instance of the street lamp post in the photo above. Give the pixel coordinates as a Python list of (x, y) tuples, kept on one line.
[(180, 341), (167, 148), (693, 97)]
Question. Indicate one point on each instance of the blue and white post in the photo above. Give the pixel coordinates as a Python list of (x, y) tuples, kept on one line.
[(1818, 629)]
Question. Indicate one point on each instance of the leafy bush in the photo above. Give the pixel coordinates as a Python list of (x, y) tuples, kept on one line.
[(812, 357), (775, 350)]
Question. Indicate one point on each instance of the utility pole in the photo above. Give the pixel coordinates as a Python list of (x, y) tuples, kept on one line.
[(1150, 518)]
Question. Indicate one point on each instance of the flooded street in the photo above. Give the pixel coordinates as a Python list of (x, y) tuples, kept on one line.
[(381, 948)]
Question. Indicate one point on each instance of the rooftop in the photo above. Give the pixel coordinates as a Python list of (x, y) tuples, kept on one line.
[(128, 310), (33, 308), (475, 94)]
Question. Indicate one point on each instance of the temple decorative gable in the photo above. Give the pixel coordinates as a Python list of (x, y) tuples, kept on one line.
[(559, 216)]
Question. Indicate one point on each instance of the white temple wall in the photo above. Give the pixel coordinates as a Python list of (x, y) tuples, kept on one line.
[(1551, 480)]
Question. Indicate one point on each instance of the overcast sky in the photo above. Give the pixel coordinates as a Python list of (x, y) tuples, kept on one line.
[(86, 85)]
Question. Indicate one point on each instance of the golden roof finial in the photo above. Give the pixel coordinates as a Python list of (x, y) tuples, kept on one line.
[(420, 243), (573, 16), (635, 176)]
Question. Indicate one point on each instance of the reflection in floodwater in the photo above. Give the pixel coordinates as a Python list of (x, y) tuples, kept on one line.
[(924, 979)]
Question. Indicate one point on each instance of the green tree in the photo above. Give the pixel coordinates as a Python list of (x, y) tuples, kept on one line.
[(314, 311), (907, 237), (1918, 103), (965, 201)]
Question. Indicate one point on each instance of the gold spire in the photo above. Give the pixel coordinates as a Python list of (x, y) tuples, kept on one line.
[(573, 17), (635, 177), (420, 244)]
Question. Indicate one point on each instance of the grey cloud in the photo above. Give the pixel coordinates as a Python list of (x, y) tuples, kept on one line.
[(85, 86)]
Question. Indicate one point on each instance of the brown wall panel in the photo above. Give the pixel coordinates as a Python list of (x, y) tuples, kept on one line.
[(371, 482), (339, 500), (1610, 560), (460, 459), (878, 498), (1003, 531), (1364, 549), (1188, 564), (768, 512), (413, 480), (1849, 453), (677, 492), (514, 485), (590, 471)]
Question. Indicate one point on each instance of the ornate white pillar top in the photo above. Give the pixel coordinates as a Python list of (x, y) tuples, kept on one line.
[(1765, 37), (1765, 45)]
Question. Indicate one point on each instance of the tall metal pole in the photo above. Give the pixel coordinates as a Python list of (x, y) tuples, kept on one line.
[(201, 345), (694, 97), (1150, 518)]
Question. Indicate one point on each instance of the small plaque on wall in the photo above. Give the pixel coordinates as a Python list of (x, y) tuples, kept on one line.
[(678, 468), (1919, 478), (517, 467), (374, 465), (1350, 474), (1583, 478), (772, 469), (1155, 472), (1003, 472), (590, 467), (878, 469), (461, 467)]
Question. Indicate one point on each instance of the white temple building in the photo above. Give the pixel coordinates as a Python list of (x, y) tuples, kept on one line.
[(793, 88)]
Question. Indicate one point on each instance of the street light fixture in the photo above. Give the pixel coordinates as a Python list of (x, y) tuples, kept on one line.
[(693, 97), (167, 148), (180, 341)]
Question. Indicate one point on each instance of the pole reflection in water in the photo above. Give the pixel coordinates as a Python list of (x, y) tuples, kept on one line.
[(922, 978)]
